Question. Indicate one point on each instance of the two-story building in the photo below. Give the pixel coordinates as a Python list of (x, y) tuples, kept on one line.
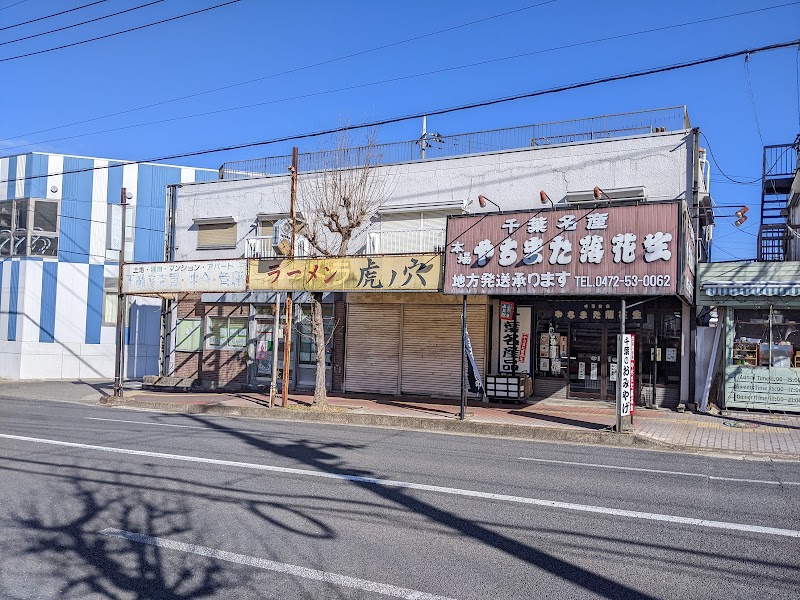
[(409, 343)]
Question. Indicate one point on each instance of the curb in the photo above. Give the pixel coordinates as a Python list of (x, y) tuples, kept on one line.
[(524, 432)]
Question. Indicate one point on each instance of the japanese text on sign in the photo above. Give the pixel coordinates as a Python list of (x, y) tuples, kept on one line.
[(613, 250), (627, 375), (191, 276), (397, 272)]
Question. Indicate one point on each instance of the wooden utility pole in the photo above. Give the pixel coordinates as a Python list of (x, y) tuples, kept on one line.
[(287, 331), (119, 363)]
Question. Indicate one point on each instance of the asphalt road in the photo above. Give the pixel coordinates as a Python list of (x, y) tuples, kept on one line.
[(101, 502)]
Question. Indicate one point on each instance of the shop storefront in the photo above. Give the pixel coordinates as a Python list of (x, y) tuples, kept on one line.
[(394, 334), (759, 308), (410, 343), (556, 280)]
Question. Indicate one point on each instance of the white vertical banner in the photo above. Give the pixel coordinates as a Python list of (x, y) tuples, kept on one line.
[(515, 341), (626, 375)]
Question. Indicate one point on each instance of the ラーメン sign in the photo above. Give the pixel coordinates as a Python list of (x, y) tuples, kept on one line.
[(384, 273), (601, 250)]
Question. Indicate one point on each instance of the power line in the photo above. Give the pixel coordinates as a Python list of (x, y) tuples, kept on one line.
[(50, 16), (752, 96), (15, 4), (370, 84), (116, 33), (441, 111), (290, 71), (122, 12)]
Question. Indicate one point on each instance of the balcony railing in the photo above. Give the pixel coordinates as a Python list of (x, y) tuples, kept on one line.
[(259, 247), (395, 242), (560, 132)]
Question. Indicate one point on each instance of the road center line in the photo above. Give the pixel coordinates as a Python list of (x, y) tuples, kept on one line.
[(632, 514), (657, 471), (278, 567)]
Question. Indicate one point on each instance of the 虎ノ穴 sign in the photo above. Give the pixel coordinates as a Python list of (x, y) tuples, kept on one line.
[(379, 273), (569, 250)]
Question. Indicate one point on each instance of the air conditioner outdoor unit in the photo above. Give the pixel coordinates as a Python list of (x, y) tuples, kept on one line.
[(281, 231)]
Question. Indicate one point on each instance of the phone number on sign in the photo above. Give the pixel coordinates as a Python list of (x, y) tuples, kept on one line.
[(606, 281)]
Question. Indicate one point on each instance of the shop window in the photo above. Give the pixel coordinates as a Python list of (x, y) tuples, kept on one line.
[(29, 227), (307, 347), (227, 333), (188, 335), (766, 338)]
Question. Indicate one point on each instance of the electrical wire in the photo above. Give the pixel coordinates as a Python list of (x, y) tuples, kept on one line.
[(363, 52), (122, 12), (356, 86), (116, 33), (441, 111), (294, 70), (752, 96), (731, 179), (50, 16), (797, 67), (13, 5)]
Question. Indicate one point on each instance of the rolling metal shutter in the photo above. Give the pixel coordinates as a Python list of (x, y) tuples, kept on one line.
[(431, 357), (372, 348)]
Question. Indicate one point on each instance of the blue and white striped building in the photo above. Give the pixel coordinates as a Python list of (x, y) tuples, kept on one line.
[(58, 281)]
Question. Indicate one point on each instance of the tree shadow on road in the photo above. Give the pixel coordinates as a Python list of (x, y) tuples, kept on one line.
[(76, 561), (329, 463)]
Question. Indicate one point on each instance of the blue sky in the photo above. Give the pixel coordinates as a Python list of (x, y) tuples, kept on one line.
[(254, 39)]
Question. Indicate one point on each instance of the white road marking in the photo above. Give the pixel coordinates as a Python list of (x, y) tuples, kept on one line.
[(278, 567), (633, 514), (658, 471)]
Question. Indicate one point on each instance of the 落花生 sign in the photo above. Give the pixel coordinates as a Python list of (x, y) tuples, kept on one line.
[(608, 250)]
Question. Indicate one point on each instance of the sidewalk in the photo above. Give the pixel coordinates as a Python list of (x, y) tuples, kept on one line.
[(745, 434)]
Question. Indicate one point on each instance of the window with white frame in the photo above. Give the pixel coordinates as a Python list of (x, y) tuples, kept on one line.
[(226, 333), (29, 227), (110, 300)]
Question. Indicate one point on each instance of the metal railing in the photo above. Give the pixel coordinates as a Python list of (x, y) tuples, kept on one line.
[(259, 247), (416, 240), (441, 146), (781, 160)]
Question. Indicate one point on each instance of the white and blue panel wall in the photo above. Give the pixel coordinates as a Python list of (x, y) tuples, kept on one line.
[(51, 311)]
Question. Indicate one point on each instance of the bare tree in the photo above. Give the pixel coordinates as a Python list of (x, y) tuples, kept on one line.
[(337, 202)]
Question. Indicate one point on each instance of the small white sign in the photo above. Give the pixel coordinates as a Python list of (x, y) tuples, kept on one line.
[(593, 372), (581, 370), (672, 355), (114, 227), (612, 371)]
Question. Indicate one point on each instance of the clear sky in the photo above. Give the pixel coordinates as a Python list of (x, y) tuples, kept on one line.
[(257, 39)]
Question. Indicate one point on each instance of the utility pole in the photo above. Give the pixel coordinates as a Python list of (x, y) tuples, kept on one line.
[(423, 141), (463, 412), (287, 331), (119, 363)]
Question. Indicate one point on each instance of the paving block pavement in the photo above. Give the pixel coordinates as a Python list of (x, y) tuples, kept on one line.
[(748, 434)]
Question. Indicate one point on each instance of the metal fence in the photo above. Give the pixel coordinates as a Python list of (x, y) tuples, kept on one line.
[(395, 242), (781, 160), (441, 146)]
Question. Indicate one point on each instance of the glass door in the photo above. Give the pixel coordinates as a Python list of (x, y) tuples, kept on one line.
[(586, 362), (264, 348)]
